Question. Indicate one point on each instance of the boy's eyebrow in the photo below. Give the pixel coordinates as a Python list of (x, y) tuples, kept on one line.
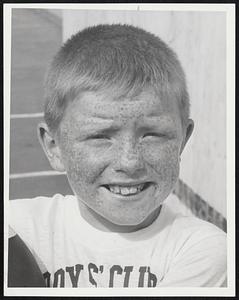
[(94, 123), (96, 120), (156, 119), (154, 113)]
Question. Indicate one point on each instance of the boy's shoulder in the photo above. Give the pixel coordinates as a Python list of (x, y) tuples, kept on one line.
[(39, 217), (186, 225), (40, 208), (195, 245)]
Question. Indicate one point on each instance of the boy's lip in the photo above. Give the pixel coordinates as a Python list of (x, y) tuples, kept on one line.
[(127, 183)]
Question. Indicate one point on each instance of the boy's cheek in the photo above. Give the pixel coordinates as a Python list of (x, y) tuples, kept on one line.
[(83, 167), (165, 163), (165, 156)]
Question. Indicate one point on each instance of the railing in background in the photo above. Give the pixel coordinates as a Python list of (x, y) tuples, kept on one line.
[(198, 206)]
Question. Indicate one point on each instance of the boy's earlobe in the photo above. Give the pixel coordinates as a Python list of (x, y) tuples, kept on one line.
[(188, 133), (50, 147)]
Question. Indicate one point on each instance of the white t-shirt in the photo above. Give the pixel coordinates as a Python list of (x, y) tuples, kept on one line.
[(175, 250)]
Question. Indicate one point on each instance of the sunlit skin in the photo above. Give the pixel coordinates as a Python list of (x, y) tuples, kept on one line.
[(106, 141)]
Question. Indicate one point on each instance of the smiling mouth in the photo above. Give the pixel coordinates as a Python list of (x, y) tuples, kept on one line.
[(125, 190)]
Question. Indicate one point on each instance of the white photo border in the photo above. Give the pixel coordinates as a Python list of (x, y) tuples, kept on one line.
[(229, 9)]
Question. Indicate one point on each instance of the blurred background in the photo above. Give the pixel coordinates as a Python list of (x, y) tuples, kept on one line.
[(199, 39)]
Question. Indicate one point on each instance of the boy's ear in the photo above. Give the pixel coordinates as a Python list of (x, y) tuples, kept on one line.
[(50, 147), (188, 132)]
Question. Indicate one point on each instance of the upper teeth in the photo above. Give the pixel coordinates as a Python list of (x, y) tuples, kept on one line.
[(123, 190)]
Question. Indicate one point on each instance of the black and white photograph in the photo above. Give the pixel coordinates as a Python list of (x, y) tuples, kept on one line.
[(119, 149)]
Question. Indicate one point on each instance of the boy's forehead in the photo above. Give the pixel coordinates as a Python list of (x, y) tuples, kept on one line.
[(108, 104)]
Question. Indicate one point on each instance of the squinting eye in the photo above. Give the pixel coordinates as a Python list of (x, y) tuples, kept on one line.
[(98, 137), (153, 134)]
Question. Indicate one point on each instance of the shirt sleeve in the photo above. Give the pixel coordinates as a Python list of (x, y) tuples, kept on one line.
[(200, 263), (21, 221), (18, 219)]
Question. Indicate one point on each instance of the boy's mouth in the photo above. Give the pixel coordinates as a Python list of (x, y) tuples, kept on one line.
[(125, 190)]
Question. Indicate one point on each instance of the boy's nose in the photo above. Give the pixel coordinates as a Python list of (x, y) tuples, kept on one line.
[(129, 160)]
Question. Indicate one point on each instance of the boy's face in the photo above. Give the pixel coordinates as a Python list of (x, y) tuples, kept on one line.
[(122, 155)]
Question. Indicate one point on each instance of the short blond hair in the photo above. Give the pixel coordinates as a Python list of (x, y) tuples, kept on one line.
[(116, 56)]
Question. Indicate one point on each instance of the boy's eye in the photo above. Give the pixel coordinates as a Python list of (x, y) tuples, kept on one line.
[(149, 134), (98, 137)]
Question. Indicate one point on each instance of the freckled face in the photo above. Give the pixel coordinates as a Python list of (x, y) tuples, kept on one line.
[(121, 155)]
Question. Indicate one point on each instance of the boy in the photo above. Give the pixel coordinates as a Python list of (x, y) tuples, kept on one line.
[(117, 121)]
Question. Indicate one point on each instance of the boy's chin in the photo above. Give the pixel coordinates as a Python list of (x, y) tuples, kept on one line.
[(129, 224), (118, 219)]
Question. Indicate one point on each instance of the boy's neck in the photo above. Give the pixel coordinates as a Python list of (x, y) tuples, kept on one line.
[(102, 224)]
